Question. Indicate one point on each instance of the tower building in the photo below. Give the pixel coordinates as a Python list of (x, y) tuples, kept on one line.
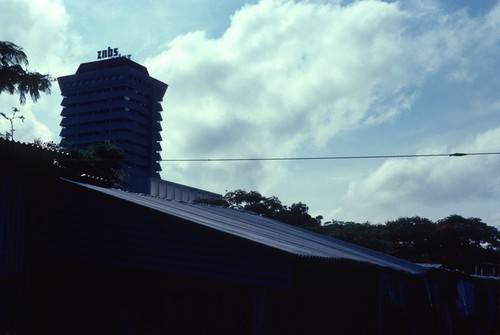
[(115, 100)]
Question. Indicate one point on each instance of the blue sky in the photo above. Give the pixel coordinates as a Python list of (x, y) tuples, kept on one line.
[(299, 79)]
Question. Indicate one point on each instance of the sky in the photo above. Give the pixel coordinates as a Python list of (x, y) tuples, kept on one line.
[(317, 78)]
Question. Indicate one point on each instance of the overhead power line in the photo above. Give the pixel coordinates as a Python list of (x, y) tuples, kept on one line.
[(456, 154)]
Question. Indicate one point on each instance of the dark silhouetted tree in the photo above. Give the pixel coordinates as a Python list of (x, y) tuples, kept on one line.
[(50, 145), (270, 207), (463, 243), (100, 160), (14, 79), (298, 215), (9, 135), (409, 238), (255, 202), (455, 242), (364, 234)]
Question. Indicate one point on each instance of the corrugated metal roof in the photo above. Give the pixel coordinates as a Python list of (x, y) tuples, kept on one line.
[(268, 232)]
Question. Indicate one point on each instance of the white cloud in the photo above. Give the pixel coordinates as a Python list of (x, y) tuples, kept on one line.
[(443, 182), (288, 77), (41, 29), (25, 130), (295, 78)]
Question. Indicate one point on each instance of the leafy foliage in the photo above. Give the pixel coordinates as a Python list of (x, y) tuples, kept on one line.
[(46, 145), (9, 135), (456, 242), (14, 79), (364, 234), (100, 160), (270, 207)]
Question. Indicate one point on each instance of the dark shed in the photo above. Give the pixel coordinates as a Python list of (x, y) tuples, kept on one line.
[(83, 259), (265, 275)]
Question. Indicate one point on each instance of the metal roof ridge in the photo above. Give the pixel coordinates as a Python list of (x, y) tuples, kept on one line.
[(33, 145), (265, 231)]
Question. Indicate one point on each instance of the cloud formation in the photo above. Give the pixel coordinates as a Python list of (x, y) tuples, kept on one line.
[(436, 181), (295, 79), (287, 78), (41, 28)]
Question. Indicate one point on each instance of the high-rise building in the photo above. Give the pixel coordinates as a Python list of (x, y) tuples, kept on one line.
[(115, 100)]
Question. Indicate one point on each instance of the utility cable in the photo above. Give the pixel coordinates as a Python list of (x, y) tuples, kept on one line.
[(456, 154)]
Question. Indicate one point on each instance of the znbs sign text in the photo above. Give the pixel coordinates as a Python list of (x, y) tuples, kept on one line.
[(110, 53)]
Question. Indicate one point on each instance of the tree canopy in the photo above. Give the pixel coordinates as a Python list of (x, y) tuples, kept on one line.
[(99, 160), (454, 242), (270, 207), (14, 79)]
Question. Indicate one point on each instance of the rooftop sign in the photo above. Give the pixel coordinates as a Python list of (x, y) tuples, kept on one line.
[(110, 53)]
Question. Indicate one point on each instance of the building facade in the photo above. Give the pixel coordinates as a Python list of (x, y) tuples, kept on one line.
[(115, 100)]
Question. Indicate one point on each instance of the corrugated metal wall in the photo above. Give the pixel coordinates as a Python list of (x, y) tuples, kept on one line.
[(12, 222), (12, 225), (96, 227)]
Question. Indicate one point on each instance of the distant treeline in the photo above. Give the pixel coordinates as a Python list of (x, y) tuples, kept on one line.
[(465, 244)]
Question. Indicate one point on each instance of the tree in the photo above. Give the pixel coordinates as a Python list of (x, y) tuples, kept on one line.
[(298, 215), (364, 234), (100, 160), (463, 243), (270, 207), (410, 238), (255, 202), (51, 145), (455, 242), (14, 79), (9, 135)]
